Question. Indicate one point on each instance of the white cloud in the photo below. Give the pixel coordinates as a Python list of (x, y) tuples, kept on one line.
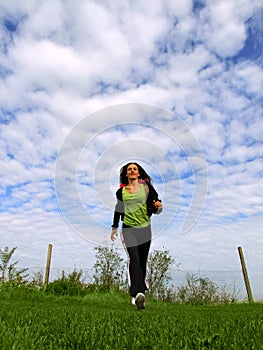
[(249, 78), (224, 29), (45, 19), (178, 9)]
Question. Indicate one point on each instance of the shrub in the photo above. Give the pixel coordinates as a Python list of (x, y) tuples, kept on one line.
[(200, 291), (158, 276), (8, 269), (67, 285), (110, 270)]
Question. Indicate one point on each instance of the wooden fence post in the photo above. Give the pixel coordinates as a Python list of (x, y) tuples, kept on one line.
[(49, 252), (245, 275)]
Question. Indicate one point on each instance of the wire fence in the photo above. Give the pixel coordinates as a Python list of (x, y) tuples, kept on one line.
[(231, 282)]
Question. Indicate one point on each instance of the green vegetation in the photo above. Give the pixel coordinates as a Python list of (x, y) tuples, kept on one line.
[(158, 276), (34, 319), (110, 269), (110, 273), (8, 269)]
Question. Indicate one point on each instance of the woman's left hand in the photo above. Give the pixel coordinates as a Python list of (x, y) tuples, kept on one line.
[(157, 204)]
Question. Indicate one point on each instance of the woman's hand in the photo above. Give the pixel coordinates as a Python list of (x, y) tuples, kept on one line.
[(159, 206), (114, 234)]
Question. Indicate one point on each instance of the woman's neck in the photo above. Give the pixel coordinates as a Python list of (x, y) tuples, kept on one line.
[(133, 186), (134, 183)]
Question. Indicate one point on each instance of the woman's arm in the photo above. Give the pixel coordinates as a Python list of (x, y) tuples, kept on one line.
[(118, 213), (153, 202)]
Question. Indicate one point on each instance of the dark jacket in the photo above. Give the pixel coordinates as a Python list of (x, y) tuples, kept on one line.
[(152, 196)]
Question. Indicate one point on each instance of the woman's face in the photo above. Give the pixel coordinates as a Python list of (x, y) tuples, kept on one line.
[(132, 172)]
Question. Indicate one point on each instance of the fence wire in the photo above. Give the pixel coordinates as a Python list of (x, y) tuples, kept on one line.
[(231, 282)]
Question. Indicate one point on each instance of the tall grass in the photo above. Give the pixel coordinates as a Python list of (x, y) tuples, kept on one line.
[(31, 319)]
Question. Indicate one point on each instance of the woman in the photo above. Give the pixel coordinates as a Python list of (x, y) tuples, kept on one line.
[(137, 200)]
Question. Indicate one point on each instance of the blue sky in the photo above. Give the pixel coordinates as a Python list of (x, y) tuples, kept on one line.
[(65, 65)]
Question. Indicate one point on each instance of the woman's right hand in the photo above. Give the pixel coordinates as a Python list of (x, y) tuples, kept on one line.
[(114, 234)]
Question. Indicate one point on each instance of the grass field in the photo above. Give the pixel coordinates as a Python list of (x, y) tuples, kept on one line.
[(103, 320)]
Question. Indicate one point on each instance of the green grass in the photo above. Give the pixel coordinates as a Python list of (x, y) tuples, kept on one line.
[(103, 320)]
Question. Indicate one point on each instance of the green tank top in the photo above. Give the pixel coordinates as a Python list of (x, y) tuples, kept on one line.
[(135, 208)]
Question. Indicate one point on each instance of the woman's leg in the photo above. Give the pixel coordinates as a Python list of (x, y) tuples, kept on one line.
[(137, 280), (143, 251), (137, 243)]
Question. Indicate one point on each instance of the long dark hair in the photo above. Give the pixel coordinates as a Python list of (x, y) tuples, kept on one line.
[(143, 175)]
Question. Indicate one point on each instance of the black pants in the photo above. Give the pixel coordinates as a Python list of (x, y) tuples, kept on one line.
[(137, 243)]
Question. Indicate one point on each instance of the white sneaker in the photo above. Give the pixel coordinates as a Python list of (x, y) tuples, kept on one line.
[(140, 301), (133, 301)]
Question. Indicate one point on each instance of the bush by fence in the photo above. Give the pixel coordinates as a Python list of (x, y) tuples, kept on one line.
[(188, 286), (165, 280)]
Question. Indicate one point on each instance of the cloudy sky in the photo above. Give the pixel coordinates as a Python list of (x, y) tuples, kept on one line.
[(175, 85)]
